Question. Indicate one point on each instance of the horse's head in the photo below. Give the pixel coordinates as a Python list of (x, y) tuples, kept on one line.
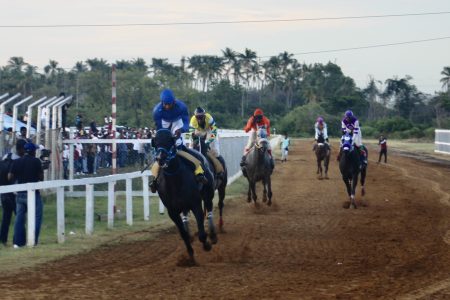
[(199, 141), (164, 143), (347, 142), (320, 140), (262, 143)]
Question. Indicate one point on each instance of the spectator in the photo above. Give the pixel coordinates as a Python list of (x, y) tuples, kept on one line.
[(23, 133), (8, 199), (285, 147), (65, 160), (383, 148), (24, 170)]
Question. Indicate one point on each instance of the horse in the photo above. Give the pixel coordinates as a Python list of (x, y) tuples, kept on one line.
[(323, 153), (350, 167), (220, 184), (258, 167), (178, 189)]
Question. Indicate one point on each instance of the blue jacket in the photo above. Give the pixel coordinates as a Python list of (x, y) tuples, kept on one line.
[(178, 111)]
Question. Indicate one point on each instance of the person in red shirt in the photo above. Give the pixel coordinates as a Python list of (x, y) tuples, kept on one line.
[(383, 148), (257, 121)]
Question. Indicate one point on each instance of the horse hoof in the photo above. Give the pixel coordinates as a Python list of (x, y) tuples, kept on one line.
[(207, 246), (269, 203), (213, 238), (363, 192), (346, 204), (264, 199)]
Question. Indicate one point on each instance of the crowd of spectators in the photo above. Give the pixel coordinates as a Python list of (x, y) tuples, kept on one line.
[(89, 158)]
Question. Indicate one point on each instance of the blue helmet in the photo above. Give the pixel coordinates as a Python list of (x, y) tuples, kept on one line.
[(167, 97), (30, 147), (349, 114)]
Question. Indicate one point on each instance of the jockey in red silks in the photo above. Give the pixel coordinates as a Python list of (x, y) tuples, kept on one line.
[(255, 123)]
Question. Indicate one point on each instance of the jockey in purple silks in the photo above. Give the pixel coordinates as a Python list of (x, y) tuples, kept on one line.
[(320, 128), (350, 124)]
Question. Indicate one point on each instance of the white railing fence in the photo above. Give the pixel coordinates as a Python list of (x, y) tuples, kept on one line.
[(231, 145), (442, 141)]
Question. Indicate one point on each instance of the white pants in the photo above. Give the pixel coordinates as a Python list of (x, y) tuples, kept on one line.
[(284, 154)]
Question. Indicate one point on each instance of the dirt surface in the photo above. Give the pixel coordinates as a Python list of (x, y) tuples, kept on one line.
[(306, 246)]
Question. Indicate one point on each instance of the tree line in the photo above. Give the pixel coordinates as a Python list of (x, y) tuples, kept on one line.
[(231, 86)]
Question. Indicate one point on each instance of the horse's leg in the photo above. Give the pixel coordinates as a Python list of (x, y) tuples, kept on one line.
[(264, 190), (326, 163), (210, 216), (319, 167), (176, 218), (253, 188), (269, 187), (354, 184), (185, 219), (347, 185), (249, 193), (363, 180), (221, 191), (202, 236)]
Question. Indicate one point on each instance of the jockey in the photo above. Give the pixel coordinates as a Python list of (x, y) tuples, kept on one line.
[(203, 125), (172, 114), (320, 127), (255, 122), (350, 124)]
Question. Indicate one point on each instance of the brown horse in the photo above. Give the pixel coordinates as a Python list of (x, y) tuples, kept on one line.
[(323, 152)]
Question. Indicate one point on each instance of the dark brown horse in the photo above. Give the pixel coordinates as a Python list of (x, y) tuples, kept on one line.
[(178, 189), (323, 152), (220, 184)]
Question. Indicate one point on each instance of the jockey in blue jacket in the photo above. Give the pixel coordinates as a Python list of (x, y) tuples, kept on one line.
[(350, 124), (173, 114)]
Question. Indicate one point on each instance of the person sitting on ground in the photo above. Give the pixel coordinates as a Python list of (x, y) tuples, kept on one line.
[(172, 114), (202, 125), (257, 121)]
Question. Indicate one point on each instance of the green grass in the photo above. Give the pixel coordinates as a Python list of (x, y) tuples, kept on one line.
[(12, 260)]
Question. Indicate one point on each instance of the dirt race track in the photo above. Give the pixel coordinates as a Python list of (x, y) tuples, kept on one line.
[(306, 246)]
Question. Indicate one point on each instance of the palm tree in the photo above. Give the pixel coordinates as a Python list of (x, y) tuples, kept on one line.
[(371, 93), (140, 64), (16, 63), (230, 57), (100, 65), (446, 79)]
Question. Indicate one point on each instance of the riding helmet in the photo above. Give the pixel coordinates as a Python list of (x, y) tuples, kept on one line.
[(319, 120), (199, 111), (349, 114), (167, 97)]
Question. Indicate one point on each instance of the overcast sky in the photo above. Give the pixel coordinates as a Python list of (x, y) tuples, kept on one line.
[(423, 61)]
